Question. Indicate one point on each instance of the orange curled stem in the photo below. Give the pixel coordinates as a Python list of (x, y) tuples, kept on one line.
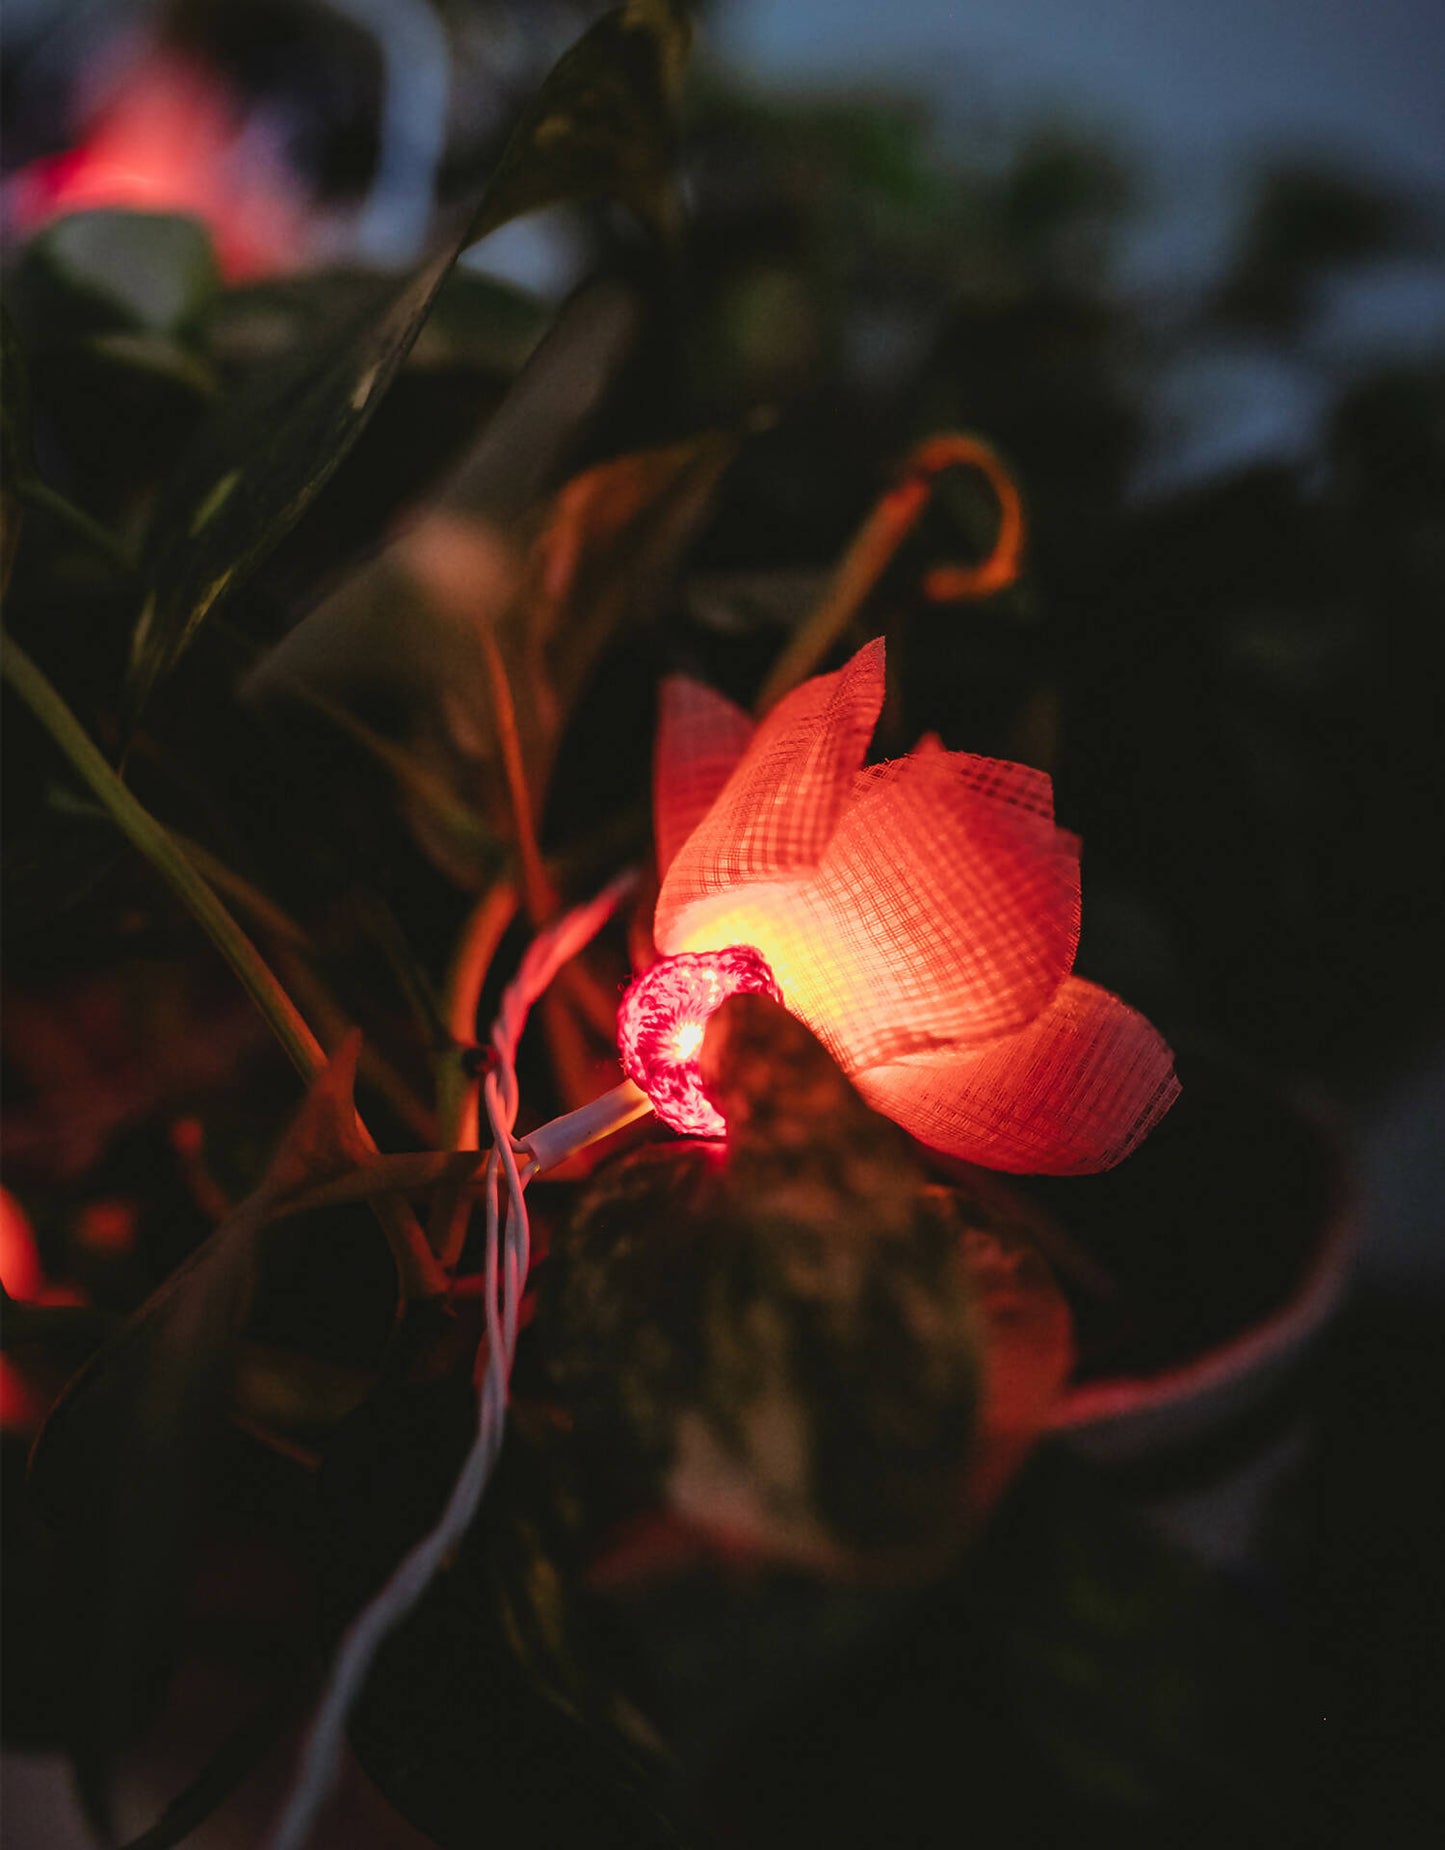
[(859, 570), (951, 584), (877, 542)]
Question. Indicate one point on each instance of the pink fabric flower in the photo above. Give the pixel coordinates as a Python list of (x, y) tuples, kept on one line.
[(920, 915)]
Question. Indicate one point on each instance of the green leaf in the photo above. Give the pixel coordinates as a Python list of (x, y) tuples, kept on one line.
[(92, 271), (600, 124)]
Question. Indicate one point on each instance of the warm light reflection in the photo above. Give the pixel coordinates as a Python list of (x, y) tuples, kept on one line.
[(20, 1271)]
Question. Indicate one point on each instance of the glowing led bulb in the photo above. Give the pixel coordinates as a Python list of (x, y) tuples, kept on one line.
[(687, 1039), (663, 1018)]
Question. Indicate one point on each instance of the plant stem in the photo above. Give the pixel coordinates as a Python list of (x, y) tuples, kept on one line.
[(541, 900), (240, 891), (458, 1089), (42, 496), (864, 563), (418, 1271), (950, 584), (457, 1092), (877, 542)]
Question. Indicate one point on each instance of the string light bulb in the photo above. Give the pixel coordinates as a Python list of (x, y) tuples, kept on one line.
[(663, 1018)]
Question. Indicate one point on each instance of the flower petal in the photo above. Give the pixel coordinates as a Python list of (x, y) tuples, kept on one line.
[(1019, 786), (777, 811), (950, 911), (701, 736), (1075, 1092)]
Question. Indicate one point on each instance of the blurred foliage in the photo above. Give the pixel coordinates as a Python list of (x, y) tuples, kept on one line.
[(1305, 224), (263, 536)]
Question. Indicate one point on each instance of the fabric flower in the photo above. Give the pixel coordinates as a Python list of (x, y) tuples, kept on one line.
[(920, 915)]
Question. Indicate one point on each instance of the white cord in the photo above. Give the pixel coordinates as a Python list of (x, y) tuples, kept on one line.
[(508, 1257)]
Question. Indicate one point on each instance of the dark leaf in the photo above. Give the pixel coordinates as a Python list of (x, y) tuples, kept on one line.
[(53, 863), (394, 656), (602, 124), (1077, 1681), (777, 1344), (95, 272), (259, 468), (476, 322), (599, 125), (117, 1468), (157, 355), (1153, 1689), (455, 1724), (412, 625), (115, 1471), (17, 459), (610, 548), (606, 553), (231, 1765), (17, 456)]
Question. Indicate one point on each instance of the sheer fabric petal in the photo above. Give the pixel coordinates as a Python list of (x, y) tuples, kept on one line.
[(1019, 786), (938, 916), (952, 909), (1074, 1092), (780, 806), (701, 736)]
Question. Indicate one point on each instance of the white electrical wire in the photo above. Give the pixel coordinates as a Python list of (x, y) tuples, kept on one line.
[(508, 1257)]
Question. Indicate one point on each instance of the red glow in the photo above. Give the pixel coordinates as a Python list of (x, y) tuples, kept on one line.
[(107, 1226), (661, 1024), (172, 139), (19, 1262), (22, 1406)]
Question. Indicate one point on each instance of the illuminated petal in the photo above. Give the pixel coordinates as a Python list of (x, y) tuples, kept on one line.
[(949, 911), (780, 806), (701, 735), (1016, 786), (1073, 1093), (944, 913), (1013, 786)]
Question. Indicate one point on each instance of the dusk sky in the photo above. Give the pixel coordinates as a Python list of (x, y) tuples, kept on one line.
[(1364, 80)]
